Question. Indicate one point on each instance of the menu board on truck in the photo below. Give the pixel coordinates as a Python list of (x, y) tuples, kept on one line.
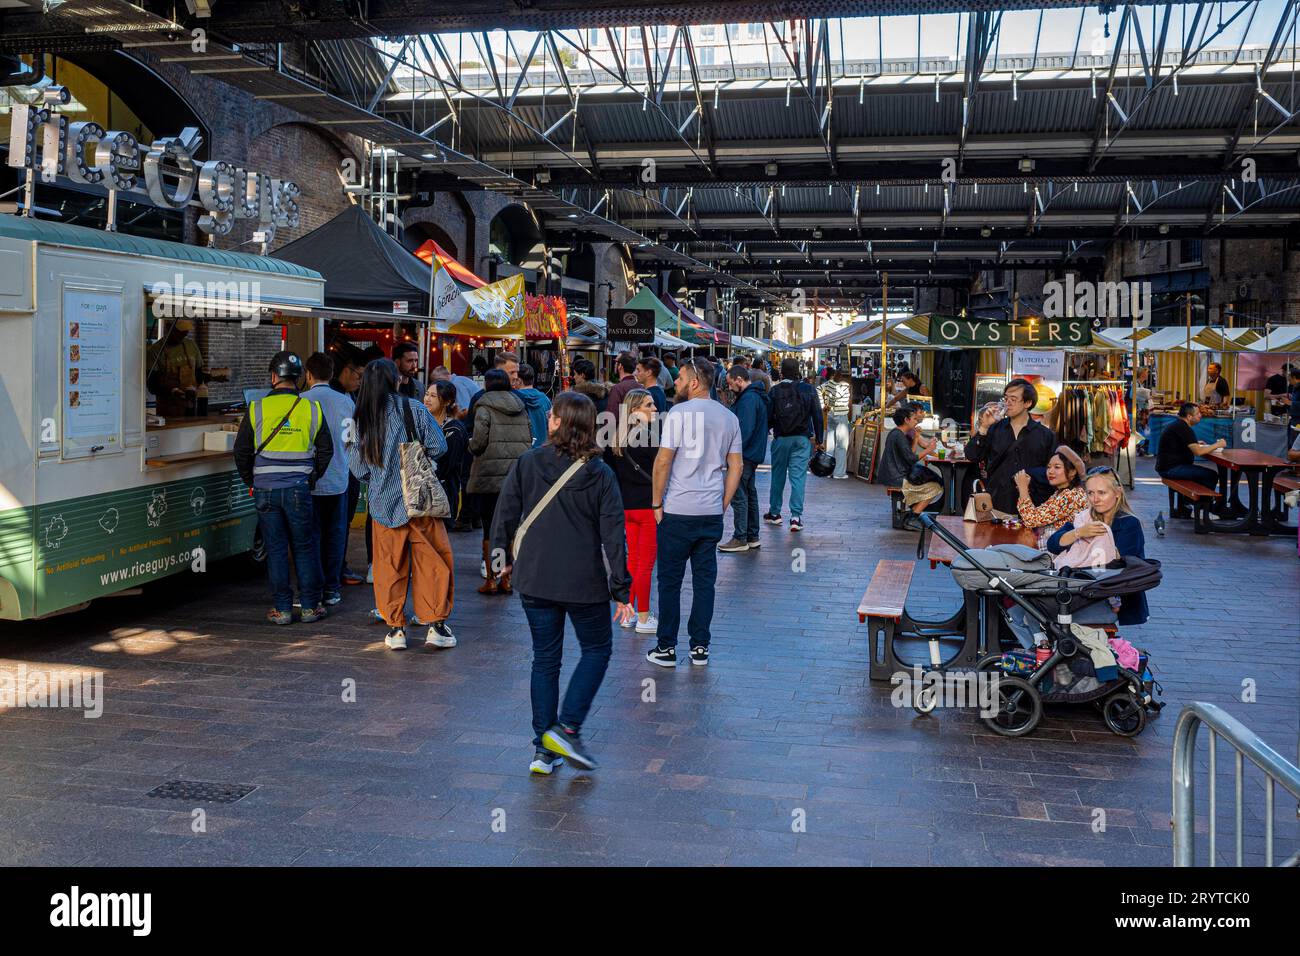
[(92, 372)]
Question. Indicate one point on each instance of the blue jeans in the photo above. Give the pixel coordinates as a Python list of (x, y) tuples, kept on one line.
[(285, 518), (331, 516), (591, 624), (744, 504), (790, 456), (1196, 473), (683, 537)]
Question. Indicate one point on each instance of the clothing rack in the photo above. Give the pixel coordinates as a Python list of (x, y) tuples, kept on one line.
[(1127, 453)]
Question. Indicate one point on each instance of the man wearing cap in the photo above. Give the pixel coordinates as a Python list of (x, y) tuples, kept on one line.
[(176, 371), (283, 447)]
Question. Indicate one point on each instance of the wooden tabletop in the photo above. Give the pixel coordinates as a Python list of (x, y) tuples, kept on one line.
[(932, 459), (975, 534), (1245, 458)]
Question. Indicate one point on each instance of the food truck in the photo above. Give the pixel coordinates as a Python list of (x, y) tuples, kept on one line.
[(99, 494)]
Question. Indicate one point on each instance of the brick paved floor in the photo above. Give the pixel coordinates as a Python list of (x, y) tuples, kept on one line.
[(783, 725)]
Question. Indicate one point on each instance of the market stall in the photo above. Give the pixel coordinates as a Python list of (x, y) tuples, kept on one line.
[(100, 493), (376, 293), (1182, 354)]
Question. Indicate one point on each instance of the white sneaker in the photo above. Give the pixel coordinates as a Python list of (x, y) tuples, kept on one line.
[(396, 639), (649, 626), (440, 635), (628, 624), (370, 574)]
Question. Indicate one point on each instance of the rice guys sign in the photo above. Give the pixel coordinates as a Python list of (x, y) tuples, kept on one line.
[(43, 141)]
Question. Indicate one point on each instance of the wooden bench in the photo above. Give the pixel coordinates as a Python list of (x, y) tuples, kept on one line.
[(898, 511), (1199, 496), (1285, 483), (881, 609)]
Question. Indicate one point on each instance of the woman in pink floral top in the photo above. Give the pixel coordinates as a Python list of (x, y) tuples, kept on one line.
[(1065, 471)]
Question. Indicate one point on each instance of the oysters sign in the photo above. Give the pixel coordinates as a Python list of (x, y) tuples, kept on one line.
[(43, 141)]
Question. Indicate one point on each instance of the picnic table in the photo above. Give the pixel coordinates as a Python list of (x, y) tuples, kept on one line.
[(1259, 469), (953, 469), (975, 535), (974, 623)]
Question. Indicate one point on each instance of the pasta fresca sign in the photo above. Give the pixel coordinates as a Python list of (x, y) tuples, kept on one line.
[(43, 142)]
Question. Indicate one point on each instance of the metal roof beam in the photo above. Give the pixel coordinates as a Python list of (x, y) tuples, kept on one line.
[(1103, 107)]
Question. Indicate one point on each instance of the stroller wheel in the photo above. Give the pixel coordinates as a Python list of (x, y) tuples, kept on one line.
[(926, 699), (990, 662), (1124, 714), (1019, 708)]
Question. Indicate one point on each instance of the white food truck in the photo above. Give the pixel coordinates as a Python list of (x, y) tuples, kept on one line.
[(97, 495)]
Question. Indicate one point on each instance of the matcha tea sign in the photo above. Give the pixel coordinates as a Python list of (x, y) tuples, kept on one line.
[(42, 141)]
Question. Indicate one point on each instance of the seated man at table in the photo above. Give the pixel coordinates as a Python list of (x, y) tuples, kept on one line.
[(1004, 447), (1179, 447), (903, 449)]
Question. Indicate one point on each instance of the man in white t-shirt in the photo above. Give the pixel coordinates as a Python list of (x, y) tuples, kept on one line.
[(696, 472)]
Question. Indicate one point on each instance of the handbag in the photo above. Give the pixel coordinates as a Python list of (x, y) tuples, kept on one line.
[(422, 492), (980, 505), (541, 505)]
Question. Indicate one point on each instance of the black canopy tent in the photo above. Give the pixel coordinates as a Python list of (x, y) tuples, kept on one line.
[(364, 267)]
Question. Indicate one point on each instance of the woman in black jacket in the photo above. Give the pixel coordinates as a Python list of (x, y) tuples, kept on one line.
[(631, 453), (440, 400), (561, 569)]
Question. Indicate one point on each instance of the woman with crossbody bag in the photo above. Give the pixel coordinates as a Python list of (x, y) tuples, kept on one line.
[(397, 441), (558, 530), (631, 454)]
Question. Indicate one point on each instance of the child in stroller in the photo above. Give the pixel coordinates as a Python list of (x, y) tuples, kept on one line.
[(1058, 617)]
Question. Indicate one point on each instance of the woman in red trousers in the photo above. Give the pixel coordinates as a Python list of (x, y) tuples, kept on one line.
[(631, 454)]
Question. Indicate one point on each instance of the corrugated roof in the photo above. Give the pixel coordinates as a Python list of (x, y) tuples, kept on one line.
[(62, 234)]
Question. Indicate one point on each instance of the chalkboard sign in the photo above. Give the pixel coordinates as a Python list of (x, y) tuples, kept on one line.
[(867, 448), (988, 388)]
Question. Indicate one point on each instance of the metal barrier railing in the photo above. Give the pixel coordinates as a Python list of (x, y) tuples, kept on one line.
[(1246, 744)]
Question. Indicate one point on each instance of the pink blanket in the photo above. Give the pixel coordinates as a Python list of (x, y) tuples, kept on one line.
[(1088, 552)]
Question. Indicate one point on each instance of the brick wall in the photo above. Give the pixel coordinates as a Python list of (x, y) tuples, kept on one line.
[(247, 352), (1272, 283)]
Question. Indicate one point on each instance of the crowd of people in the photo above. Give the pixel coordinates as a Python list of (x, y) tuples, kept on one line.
[(629, 480)]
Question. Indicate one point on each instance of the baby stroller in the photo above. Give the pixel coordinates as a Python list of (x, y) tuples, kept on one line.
[(1043, 606)]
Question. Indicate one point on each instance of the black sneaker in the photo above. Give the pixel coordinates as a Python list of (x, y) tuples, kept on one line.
[(544, 762), (663, 656), (568, 743), (796, 524), (772, 518), (699, 655)]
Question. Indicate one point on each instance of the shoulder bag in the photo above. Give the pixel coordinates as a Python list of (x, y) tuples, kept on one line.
[(422, 492), (541, 505)]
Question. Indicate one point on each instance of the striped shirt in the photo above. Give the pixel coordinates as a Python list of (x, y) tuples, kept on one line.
[(387, 506), (835, 396)]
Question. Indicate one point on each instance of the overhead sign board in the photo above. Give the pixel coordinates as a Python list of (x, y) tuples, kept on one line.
[(44, 143), (630, 325), (1027, 332)]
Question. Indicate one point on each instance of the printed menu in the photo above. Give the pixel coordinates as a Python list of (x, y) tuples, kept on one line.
[(92, 361)]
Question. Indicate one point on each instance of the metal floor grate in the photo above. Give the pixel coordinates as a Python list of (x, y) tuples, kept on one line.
[(195, 791)]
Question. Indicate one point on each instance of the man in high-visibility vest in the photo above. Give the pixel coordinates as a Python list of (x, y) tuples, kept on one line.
[(282, 448)]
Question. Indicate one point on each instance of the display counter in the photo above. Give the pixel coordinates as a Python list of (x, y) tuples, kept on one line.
[(1269, 438)]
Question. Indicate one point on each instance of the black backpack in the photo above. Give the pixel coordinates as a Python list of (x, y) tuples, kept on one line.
[(789, 410)]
